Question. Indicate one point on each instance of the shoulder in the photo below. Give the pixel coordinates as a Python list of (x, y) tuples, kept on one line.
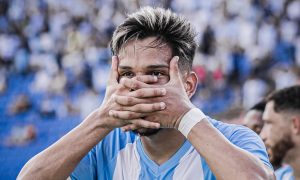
[(243, 138), (233, 131), (284, 172)]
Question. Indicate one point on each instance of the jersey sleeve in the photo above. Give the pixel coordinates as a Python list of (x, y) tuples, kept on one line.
[(86, 169), (251, 142), (99, 163)]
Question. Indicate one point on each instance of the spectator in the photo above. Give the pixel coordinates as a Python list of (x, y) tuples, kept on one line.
[(20, 104), (253, 118), (3, 81), (20, 136)]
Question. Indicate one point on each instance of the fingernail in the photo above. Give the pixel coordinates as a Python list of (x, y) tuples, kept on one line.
[(176, 58), (111, 113), (154, 78), (162, 105), (163, 91)]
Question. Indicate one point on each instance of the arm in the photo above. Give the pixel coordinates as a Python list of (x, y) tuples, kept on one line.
[(60, 159), (226, 160)]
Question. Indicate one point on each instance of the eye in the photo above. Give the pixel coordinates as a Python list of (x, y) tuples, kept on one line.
[(127, 74), (156, 73)]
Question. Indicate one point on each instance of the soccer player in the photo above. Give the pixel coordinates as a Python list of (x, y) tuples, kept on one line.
[(281, 131), (253, 118), (148, 96)]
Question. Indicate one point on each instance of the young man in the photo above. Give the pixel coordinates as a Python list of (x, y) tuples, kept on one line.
[(281, 131), (149, 92), (253, 118)]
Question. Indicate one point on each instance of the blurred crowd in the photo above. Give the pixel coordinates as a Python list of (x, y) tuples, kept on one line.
[(246, 49)]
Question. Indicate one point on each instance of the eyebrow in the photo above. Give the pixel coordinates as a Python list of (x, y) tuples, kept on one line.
[(148, 67)]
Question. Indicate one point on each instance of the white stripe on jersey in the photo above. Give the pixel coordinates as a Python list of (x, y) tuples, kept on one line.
[(188, 165), (128, 163)]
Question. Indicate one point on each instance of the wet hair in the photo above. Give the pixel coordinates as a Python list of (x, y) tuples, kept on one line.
[(287, 99), (166, 26)]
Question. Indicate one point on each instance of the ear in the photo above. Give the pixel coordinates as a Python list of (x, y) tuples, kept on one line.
[(191, 84), (296, 125)]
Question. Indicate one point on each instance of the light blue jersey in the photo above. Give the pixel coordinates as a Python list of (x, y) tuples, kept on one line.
[(121, 156), (284, 173)]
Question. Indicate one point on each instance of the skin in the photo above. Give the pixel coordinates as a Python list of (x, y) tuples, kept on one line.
[(253, 120), (281, 132), (140, 102), (180, 87), (61, 158)]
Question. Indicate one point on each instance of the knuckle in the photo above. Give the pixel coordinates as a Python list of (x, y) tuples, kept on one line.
[(139, 123), (147, 125), (135, 85), (121, 108), (156, 92), (139, 93), (155, 106), (130, 115), (115, 115), (138, 108), (129, 100), (117, 99)]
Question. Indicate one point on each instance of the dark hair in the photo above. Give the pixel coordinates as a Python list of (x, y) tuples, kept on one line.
[(168, 28), (260, 106), (287, 99)]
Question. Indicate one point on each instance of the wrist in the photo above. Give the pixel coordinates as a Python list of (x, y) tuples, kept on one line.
[(189, 120), (185, 109), (99, 120), (176, 125)]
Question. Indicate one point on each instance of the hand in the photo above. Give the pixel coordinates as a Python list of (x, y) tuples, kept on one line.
[(130, 114), (176, 99)]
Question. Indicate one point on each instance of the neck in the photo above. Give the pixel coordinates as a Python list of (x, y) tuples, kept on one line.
[(296, 167), (161, 146), (294, 161)]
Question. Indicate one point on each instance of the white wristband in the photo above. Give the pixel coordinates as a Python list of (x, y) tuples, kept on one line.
[(189, 120)]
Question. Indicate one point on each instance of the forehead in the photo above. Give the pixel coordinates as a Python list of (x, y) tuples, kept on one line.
[(253, 116), (269, 113), (145, 52)]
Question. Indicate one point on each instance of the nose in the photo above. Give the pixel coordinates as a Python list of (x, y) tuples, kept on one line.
[(263, 134)]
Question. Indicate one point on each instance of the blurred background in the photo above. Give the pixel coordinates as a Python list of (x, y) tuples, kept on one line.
[(54, 62)]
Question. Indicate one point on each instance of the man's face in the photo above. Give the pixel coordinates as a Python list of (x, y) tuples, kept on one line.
[(276, 133), (140, 58), (253, 120)]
